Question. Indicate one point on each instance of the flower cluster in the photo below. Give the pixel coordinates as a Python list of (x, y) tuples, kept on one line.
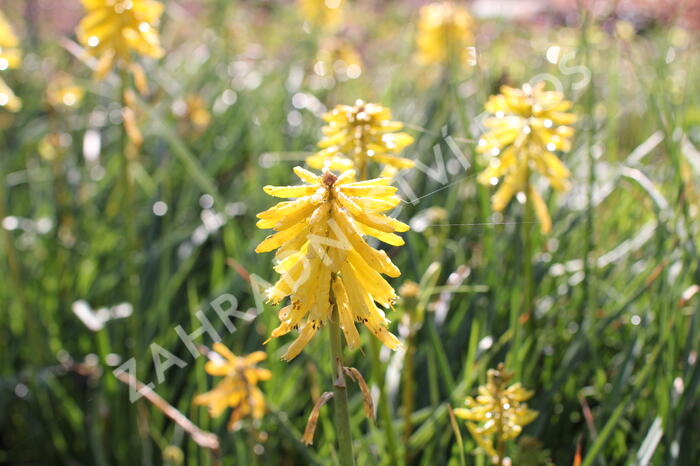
[(528, 125), (323, 257), (10, 57), (321, 13), (499, 412), (239, 387), (444, 33), (112, 29), (355, 134)]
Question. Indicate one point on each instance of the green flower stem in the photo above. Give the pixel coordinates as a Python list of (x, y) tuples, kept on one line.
[(526, 309), (500, 437), (589, 242), (130, 249), (340, 392), (528, 275), (129, 207), (30, 318), (408, 386)]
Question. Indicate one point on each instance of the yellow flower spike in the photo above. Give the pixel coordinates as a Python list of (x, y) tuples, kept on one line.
[(354, 135), (321, 250), (498, 413), (112, 29), (321, 13), (444, 31), (10, 57), (526, 127), (238, 389)]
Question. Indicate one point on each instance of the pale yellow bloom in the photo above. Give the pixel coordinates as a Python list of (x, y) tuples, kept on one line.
[(409, 290), (354, 135), (62, 92), (10, 57), (192, 113), (112, 29), (197, 111), (323, 256), (528, 125), (444, 33), (239, 387), (321, 13), (49, 147), (338, 58), (499, 412)]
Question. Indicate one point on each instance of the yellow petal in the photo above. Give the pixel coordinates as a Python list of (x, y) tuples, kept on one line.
[(394, 161), (10, 101), (555, 171), (224, 351), (371, 219), (263, 374), (541, 211), (376, 259), (368, 189), (278, 239), (332, 162), (512, 183), (255, 357), (216, 368), (306, 176), (371, 281), (388, 238), (365, 310), (374, 182), (104, 65), (498, 166), (376, 205), (290, 191), (284, 216), (298, 345), (140, 80)]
